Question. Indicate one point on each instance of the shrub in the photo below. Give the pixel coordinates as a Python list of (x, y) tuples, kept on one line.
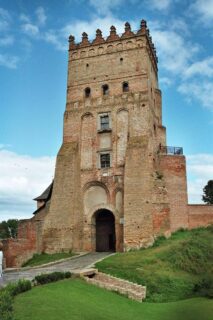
[(51, 277), (204, 287), (6, 305), (19, 287)]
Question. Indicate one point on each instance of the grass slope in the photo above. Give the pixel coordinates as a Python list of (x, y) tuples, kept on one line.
[(39, 259), (76, 300), (171, 269)]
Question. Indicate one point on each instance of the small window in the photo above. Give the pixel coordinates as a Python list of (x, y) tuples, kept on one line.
[(105, 160), (104, 122), (87, 92), (125, 87), (105, 89)]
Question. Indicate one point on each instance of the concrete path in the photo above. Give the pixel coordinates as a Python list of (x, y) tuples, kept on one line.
[(79, 263)]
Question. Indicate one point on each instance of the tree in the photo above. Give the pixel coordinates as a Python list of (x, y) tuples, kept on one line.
[(208, 193), (8, 229)]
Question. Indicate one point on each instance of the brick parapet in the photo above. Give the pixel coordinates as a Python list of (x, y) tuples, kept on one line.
[(114, 42)]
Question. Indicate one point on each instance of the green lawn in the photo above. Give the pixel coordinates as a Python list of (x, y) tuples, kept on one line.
[(75, 299), (39, 259), (171, 269)]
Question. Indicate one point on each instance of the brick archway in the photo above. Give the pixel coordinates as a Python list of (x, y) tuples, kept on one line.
[(105, 231)]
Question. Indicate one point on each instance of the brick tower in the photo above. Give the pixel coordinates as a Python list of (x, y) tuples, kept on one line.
[(115, 187)]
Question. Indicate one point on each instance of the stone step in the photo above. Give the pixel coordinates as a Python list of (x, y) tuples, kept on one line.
[(131, 290)]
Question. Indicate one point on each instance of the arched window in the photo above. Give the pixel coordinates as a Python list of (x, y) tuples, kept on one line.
[(87, 92), (125, 87), (105, 89)]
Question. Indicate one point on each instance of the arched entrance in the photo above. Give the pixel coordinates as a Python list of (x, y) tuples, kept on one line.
[(105, 230)]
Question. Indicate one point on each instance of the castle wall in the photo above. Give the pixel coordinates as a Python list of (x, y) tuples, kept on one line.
[(63, 224), (173, 168), (200, 215)]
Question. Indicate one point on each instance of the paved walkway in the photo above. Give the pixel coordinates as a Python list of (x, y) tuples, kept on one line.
[(70, 265)]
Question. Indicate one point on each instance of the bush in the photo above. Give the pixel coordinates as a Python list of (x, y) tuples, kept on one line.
[(6, 297), (19, 287), (51, 277), (6, 305), (204, 287)]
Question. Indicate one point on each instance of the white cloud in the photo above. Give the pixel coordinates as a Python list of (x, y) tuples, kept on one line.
[(199, 172), (30, 29), (41, 16), (165, 81), (104, 7), (159, 4), (33, 28), (8, 61), (204, 9), (4, 19), (201, 68), (22, 178), (6, 41), (54, 38), (24, 18), (201, 90), (173, 50)]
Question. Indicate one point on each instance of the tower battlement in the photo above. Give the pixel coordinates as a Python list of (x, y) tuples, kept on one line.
[(123, 42)]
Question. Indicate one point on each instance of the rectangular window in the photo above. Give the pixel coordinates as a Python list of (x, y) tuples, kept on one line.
[(105, 160), (104, 122)]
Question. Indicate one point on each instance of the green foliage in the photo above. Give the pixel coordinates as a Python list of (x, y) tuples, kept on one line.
[(208, 193), (76, 300), (7, 295), (204, 287), (51, 277), (8, 229), (6, 305), (20, 286), (39, 259), (171, 269)]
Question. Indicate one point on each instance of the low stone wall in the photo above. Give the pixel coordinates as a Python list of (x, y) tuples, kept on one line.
[(200, 215), (131, 290)]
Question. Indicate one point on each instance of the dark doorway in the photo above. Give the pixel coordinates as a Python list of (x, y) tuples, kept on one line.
[(105, 231)]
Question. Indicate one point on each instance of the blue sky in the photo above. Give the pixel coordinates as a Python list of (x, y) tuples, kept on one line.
[(33, 74)]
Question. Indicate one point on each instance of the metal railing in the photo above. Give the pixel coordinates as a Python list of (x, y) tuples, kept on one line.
[(171, 150)]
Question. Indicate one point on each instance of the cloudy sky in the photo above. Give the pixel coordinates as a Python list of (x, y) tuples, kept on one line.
[(33, 72)]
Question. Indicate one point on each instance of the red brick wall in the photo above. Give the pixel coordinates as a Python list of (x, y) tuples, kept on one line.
[(200, 215), (174, 171), (16, 251)]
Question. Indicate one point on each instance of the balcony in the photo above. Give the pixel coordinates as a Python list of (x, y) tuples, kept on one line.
[(177, 151)]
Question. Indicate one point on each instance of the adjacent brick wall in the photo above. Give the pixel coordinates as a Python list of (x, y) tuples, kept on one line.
[(200, 215), (16, 251), (174, 171)]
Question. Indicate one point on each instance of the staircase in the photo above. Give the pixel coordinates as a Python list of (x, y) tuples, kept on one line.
[(131, 290)]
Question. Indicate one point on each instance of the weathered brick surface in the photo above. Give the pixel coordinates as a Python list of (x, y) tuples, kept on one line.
[(200, 215)]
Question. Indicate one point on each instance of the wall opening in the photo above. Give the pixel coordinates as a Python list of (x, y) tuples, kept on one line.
[(87, 92), (105, 89), (125, 87), (105, 231)]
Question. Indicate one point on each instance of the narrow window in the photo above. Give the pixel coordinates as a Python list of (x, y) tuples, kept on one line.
[(87, 92), (105, 160), (105, 89), (104, 122), (125, 87)]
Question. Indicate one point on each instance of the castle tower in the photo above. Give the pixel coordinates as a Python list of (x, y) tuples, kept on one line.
[(112, 173)]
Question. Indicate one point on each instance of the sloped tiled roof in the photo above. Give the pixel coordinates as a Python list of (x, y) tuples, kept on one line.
[(46, 195)]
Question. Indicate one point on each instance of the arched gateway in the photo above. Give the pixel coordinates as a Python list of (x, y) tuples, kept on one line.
[(105, 230)]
